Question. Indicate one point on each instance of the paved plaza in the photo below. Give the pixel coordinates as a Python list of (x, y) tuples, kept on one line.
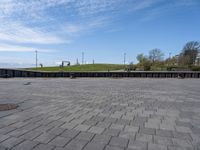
[(100, 114)]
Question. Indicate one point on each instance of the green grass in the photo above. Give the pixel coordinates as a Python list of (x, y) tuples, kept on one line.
[(88, 67)]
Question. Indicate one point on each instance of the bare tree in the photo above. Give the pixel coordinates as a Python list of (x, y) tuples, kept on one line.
[(183, 60), (190, 51), (155, 55)]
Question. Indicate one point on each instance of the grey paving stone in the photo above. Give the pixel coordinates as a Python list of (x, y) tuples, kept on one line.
[(144, 137), (96, 146), (127, 135), (153, 125), (3, 137), (166, 127), (56, 131), (77, 121), (183, 129), (162, 140), (44, 122), (164, 133), (76, 144), (149, 131), (19, 124), (3, 148), (70, 133), (113, 148), (196, 130), (82, 127), (30, 127), (55, 123), (123, 122), (7, 129), (177, 148), (98, 118), (59, 141), (117, 126), (111, 132), (42, 128), (51, 106), (1, 125), (156, 147), (11, 142), (44, 147), (103, 125), (131, 129), (182, 143), (7, 122), (45, 138), (26, 145), (183, 123), (103, 139), (69, 126), (17, 132), (181, 135), (126, 117), (96, 130), (138, 121), (59, 148), (90, 122), (31, 135), (137, 145), (110, 120), (116, 115), (85, 136), (119, 142)]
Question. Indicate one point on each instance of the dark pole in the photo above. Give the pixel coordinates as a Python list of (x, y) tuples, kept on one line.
[(36, 59), (124, 61), (169, 58), (82, 58), (170, 55)]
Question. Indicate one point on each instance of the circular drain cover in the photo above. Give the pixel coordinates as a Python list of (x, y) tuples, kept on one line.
[(4, 107)]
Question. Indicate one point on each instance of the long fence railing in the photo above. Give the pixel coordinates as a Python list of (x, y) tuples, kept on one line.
[(6, 73)]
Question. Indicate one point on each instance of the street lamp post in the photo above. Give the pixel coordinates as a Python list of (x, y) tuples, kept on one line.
[(169, 60), (170, 55), (124, 61), (36, 59), (82, 58)]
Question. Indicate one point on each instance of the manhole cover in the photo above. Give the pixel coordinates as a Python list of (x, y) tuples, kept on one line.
[(4, 107)]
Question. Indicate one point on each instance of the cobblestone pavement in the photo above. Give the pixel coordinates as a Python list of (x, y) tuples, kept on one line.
[(100, 114)]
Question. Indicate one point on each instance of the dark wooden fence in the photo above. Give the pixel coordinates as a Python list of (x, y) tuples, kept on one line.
[(9, 73)]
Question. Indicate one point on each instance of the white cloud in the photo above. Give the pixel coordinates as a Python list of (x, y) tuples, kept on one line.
[(30, 21), (21, 20), (72, 29), (167, 8), (76, 29), (17, 33), (16, 48)]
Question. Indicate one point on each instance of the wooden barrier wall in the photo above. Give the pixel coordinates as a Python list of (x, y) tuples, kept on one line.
[(9, 73)]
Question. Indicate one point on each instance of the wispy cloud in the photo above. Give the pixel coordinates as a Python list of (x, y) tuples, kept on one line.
[(58, 21), (18, 33), (28, 21), (164, 8), (17, 48)]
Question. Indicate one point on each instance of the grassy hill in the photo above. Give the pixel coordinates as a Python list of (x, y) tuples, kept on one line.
[(88, 67)]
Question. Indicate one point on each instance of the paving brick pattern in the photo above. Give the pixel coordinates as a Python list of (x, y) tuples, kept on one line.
[(101, 114)]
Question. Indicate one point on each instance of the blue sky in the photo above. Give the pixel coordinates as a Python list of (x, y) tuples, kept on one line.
[(103, 29)]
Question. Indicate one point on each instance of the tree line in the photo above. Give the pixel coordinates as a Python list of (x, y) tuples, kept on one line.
[(188, 58)]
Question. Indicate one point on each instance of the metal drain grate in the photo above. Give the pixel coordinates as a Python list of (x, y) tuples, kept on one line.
[(4, 107)]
